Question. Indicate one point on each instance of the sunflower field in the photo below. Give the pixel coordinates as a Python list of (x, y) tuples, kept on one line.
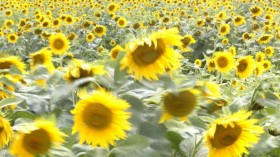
[(139, 78)]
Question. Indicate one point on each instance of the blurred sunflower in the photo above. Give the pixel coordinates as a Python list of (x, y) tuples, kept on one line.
[(269, 51), (121, 22), (6, 132), (56, 22), (265, 38), (266, 64), (90, 37), (256, 10), (99, 30), (260, 56), (7, 62), (231, 136), (259, 69), (224, 29), (245, 66), (210, 65), (224, 61), (114, 51), (36, 139), (179, 104), (112, 7), (101, 119), (42, 57), (239, 20), (58, 43), (232, 50), (198, 62), (12, 38), (186, 41), (246, 36), (152, 56)]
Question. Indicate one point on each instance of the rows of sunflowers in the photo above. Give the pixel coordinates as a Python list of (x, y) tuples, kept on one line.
[(134, 78)]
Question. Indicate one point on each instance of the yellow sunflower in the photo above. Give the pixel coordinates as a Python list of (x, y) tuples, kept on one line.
[(114, 51), (210, 65), (186, 41), (266, 64), (36, 139), (256, 10), (239, 20), (112, 7), (260, 56), (6, 132), (152, 56), (269, 51), (7, 62), (179, 104), (80, 69), (231, 136), (232, 50), (42, 57), (259, 69), (224, 61), (12, 38), (99, 30), (90, 37), (245, 66), (265, 38), (121, 22), (224, 29), (59, 44), (198, 62), (101, 119)]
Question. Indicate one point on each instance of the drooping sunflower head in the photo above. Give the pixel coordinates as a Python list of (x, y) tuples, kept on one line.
[(186, 41), (256, 10), (224, 29), (265, 38), (224, 61), (99, 30), (101, 119), (42, 57), (114, 51), (232, 135), (7, 62), (41, 136), (245, 66), (239, 20), (58, 43), (6, 132), (179, 104)]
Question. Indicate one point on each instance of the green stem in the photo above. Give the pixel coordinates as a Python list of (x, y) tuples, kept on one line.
[(253, 96)]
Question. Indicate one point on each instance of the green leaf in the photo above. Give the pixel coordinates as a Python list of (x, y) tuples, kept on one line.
[(175, 139), (119, 75), (9, 101), (23, 114)]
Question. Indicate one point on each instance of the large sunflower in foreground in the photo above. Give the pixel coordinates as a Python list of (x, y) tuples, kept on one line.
[(224, 61), (101, 119), (7, 62), (42, 57), (59, 43), (231, 136), (6, 132), (37, 139), (152, 56), (179, 104)]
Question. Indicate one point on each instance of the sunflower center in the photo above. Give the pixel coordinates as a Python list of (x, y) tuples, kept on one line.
[(97, 116), (121, 22), (12, 37), (144, 54), (37, 142), (226, 136), (268, 51), (212, 64), (242, 66), (223, 29), (238, 19), (58, 44), (5, 65), (180, 104), (38, 59), (222, 61), (98, 29), (186, 41), (265, 65), (255, 10)]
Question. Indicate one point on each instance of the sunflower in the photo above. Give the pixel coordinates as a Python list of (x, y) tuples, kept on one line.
[(42, 57), (122, 22), (7, 62), (112, 7), (99, 30), (101, 119), (221, 15), (256, 10), (265, 38), (266, 64), (36, 139), (80, 69), (225, 41), (152, 56), (259, 69), (224, 29), (210, 65), (90, 37), (12, 38), (239, 20), (58, 43), (269, 51), (245, 66), (224, 61), (247, 36), (200, 23), (6, 132), (114, 51), (56, 22), (231, 136), (198, 62), (232, 50), (186, 41), (179, 104), (260, 56), (8, 23)]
